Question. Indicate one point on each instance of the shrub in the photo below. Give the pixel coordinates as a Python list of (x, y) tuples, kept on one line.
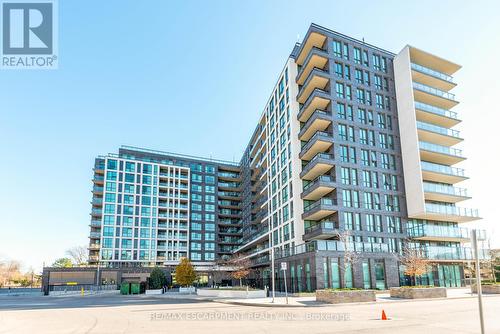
[(157, 279)]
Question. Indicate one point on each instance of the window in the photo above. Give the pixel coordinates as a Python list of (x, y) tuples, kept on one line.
[(209, 256), (342, 128), (367, 78), (363, 136), (339, 89), (129, 166), (376, 62), (357, 55), (109, 208), (210, 179), (358, 75), (196, 177), (195, 236), (111, 176), (110, 197), (341, 111), (337, 49), (195, 256), (112, 164), (209, 169), (339, 70), (360, 95), (346, 51), (365, 58), (378, 81), (379, 101)]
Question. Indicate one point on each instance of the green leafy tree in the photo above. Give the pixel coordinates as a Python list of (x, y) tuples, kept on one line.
[(63, 262), (157, 278), (184, 273)]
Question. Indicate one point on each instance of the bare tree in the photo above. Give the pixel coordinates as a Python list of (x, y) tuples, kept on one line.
[(9, 270), (414, 261), (78, 254), (241, 266), (218, 269), (351, 255)]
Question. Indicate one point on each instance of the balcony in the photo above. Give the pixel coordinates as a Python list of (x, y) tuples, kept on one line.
[(97, 201), (437, 134), (95, 223), (319, 99), (319, 143), (443, 253), (433, 96), (98, 179), (229, 176), (323, 230), (94, 247), (95, 235), (319, 165), (319, 121), (440, 154), (430, 232), (320, 209), (317, 58), (313, 40), (449, 213), (432, 77), (435, 115), (334, 246), (96, 212), (444, 193), (317, 79), (442, 173), (318, 188), (229, 195), (97, 190)]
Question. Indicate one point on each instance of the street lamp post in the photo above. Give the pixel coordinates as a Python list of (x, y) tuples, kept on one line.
[(478, 279)]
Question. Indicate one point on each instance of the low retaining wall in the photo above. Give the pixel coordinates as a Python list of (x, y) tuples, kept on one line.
[(347, 296), (416, 293), (487, 288), (223, 293), (154, 292)]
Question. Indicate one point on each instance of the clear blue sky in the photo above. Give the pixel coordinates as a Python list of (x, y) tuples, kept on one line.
[(192, 77)]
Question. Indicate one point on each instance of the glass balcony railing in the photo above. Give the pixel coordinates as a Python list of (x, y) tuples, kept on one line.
[(317, 135), (445, 189), (333, 245), (324, 225), (438, 129), (440, 149), (320, 202), (436, 110), (433, 91), (229, 175), (95, 234), (451, 210), (431, 72), (440, 231), (322, 178), (452, 253), (432, 167), (97, 189)]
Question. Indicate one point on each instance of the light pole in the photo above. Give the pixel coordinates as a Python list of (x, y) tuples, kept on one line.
[(478, 279), (272, 265)]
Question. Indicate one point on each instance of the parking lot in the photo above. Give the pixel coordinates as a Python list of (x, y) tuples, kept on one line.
[(142, 314)]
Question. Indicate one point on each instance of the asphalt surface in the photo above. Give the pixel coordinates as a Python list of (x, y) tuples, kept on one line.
[(143, 314)]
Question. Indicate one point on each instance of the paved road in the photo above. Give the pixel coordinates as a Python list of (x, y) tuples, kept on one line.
[(141, 314)]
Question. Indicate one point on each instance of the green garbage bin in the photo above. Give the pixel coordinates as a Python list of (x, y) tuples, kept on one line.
[(125, 288), (135, 288)]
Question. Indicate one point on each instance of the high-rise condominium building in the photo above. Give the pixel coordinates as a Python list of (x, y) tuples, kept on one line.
[(351, 162)]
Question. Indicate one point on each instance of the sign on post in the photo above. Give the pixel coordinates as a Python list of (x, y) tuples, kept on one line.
[(284, 266)]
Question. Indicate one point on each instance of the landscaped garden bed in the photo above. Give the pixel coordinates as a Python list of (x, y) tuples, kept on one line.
[(338, 296), (417, 292)]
